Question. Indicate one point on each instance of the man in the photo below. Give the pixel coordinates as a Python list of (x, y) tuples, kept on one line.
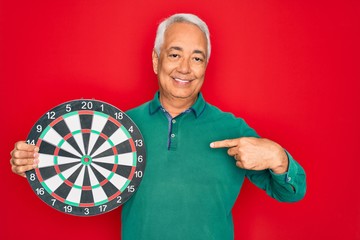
[(192, 181)]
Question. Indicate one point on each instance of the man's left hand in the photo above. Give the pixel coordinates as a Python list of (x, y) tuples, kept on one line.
[(255, 153)]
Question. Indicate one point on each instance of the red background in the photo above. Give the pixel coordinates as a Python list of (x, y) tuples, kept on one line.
[(290, 68)]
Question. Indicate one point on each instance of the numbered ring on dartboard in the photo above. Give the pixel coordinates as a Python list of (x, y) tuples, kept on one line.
[(91, 157)]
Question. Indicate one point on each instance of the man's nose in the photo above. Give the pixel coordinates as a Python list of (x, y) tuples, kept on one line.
[(184, 66)]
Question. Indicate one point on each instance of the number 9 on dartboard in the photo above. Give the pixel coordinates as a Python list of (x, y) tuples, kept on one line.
[(91, 157)]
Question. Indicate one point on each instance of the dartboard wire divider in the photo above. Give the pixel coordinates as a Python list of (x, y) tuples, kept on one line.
[(92, 157)]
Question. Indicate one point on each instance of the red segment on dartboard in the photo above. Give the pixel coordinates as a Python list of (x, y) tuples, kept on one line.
[(53, 123), (133, 148), (85, 112), (115, 122)]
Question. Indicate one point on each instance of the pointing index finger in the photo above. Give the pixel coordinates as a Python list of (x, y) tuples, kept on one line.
[(228, 143)]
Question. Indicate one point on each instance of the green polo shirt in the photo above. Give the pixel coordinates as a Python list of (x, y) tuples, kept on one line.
[(188, 189)]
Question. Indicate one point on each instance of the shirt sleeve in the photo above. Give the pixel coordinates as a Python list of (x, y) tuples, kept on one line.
[(287, 187)]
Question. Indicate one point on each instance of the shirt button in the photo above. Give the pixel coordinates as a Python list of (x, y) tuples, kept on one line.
[(173, 121), (172, 135)]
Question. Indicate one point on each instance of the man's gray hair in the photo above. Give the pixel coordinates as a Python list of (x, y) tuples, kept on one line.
[(181, 18)]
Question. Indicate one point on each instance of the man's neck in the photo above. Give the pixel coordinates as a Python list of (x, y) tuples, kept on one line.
[(176, 106)]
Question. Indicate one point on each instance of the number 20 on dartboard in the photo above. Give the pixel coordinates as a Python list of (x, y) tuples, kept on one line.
[(92, 157)]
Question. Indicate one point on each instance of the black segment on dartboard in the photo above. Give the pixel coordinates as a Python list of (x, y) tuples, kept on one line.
[(109, 188), (86, 179), (63, 190), (72, 178), (123, 147), (121, 170), (47, 148), (98, 143), (66, 166), (86, 122), (47, 172), (86, 195), (108, 130), (97, 174), (65, 153), (63, 130)]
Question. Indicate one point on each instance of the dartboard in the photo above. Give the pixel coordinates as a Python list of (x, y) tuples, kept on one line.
[(91, 157)]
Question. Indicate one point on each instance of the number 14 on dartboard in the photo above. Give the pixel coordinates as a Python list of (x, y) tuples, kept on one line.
[(91, 157)]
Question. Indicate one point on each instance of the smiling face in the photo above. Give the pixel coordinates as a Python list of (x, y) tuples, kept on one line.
[(182, 63)]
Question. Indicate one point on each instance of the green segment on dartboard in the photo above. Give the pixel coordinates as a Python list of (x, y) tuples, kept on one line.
[(70, 114), (134, 159), (101, 114), (125, 131), (86, 160), (45, 132), (72, 203)]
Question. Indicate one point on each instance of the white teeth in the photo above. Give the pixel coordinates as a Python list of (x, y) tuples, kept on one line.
[(182, 81)]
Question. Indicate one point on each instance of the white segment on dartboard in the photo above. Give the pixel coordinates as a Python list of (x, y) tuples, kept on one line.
[(125, 159), (55, 181), (117, 180), (54, 138), (73, 123), (75, 193), (98, 123), (117, 137), (65, 160), (98, 192), (47, 160), (68, 172), (80, 178)]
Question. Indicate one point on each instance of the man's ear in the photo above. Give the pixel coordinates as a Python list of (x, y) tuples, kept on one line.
[(155, 61)]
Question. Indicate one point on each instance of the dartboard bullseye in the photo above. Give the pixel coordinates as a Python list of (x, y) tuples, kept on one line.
[(92, 157)]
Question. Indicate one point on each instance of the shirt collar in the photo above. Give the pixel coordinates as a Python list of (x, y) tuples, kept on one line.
[(198, 107)]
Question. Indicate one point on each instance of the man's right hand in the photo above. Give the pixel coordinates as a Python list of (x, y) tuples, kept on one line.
[(24, 157)]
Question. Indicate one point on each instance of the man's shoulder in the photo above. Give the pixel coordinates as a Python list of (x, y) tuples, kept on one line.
[(216, 112), (227, 121), (139, 110)]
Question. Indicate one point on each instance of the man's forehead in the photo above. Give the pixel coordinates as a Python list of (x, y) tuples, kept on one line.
[(179, 27), (180, 35)]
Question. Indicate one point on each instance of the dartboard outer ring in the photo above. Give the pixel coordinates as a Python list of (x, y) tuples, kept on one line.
[(91, 157)]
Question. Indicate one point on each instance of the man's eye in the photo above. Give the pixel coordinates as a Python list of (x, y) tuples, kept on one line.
[(198, 59), (174, 55)]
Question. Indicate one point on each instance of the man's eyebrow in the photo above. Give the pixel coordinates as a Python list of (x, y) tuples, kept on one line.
[(200, 52), (175, 48), (196, 51)]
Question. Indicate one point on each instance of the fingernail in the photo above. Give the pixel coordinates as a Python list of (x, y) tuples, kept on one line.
[(36, 155), (36, 161), (36, 149), (212, 145)]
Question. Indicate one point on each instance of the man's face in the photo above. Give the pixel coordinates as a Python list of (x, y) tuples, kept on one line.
[(182, 62)]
